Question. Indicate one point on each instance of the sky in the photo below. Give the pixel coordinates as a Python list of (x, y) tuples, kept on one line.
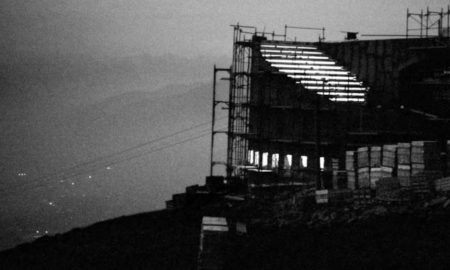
[(192, 28), (83, 79)]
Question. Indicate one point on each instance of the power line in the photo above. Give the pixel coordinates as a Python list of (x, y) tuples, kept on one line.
[(104, 158), (74, 174)]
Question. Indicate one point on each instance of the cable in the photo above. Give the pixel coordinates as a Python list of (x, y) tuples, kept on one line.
[(112, 163), (103, 158)]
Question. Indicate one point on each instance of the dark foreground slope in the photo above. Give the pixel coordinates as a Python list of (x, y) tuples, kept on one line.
[(157, 240), (394, 242), (387, 239)]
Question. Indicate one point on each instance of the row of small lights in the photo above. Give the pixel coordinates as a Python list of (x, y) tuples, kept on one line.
[(23, 174)]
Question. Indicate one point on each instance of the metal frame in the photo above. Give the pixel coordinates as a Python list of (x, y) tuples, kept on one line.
[(431, 20), (239, 96)]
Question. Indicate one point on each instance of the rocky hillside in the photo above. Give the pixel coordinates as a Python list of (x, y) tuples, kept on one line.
[(282, 234)]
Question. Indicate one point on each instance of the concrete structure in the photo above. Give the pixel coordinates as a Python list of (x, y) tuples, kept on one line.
[(295, 106)]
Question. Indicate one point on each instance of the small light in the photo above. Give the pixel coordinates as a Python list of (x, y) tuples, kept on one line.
[(46, 232), (37, 231), (90, 177), (73, 184), (108, 168)]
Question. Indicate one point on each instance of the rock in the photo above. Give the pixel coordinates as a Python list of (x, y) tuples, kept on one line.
[(447, 202), (439, 200)]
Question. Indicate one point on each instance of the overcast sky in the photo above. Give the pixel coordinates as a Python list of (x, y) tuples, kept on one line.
[(191, 28)]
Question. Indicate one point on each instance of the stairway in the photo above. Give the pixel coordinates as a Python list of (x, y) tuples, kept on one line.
[(314, 70)]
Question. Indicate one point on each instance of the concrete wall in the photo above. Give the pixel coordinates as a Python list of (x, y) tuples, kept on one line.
[(379, 63)]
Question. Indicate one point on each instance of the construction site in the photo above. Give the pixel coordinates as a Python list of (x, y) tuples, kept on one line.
[(337, 157), (318, 128)]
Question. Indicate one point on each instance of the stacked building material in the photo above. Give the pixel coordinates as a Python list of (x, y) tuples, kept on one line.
[(448, 158), (420, 185), (442, 184), (404, 164), (375, 156), (375, 175), (388, 159), (386, 172), (363, 163), (403, 153), (351, 180), (363, 157), (350, 169), (375, 165), (213, 235), (322, 196), (335, 172), (425, 156), (364, 177)]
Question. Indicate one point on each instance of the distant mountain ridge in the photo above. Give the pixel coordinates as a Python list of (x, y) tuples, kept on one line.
[(40, 135)]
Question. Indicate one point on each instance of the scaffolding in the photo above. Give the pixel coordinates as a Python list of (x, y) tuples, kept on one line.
[(428, 21), (239, 97)]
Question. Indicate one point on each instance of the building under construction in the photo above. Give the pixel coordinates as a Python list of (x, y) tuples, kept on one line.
[(296, 107)]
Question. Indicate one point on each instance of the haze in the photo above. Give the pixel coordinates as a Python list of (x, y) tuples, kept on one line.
[(88, 86)]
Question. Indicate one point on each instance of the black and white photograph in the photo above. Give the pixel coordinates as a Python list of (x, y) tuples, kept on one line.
[(223, 135)]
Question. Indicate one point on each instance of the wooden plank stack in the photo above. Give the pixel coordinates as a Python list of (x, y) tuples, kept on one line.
[(335, 172), (425, 156), (375, 156), (388, 159), (442, 184), (448, 158), (363, 167), (403, 153), (350, 168), (375, 175), (375, 165), (364, 177), (322, 196)]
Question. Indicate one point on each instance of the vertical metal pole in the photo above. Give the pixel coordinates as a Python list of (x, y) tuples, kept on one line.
[(407, 22), (427, 19), (448, 21), (213, 121), (421, 22), (323, 33), (285, 32), (317, 118)]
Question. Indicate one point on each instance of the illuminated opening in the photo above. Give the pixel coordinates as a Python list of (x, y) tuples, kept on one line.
[(296, 56), (250, 156), (291, 51), (304, 161), (288, 161), (307, 67), (315, 71), (265, 159), (287, 46), (322, 163), (328, 63), (256, 158), (275, 159)]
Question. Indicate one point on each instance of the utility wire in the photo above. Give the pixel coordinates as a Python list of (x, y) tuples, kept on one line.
[(104, 158), (96, 168)]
